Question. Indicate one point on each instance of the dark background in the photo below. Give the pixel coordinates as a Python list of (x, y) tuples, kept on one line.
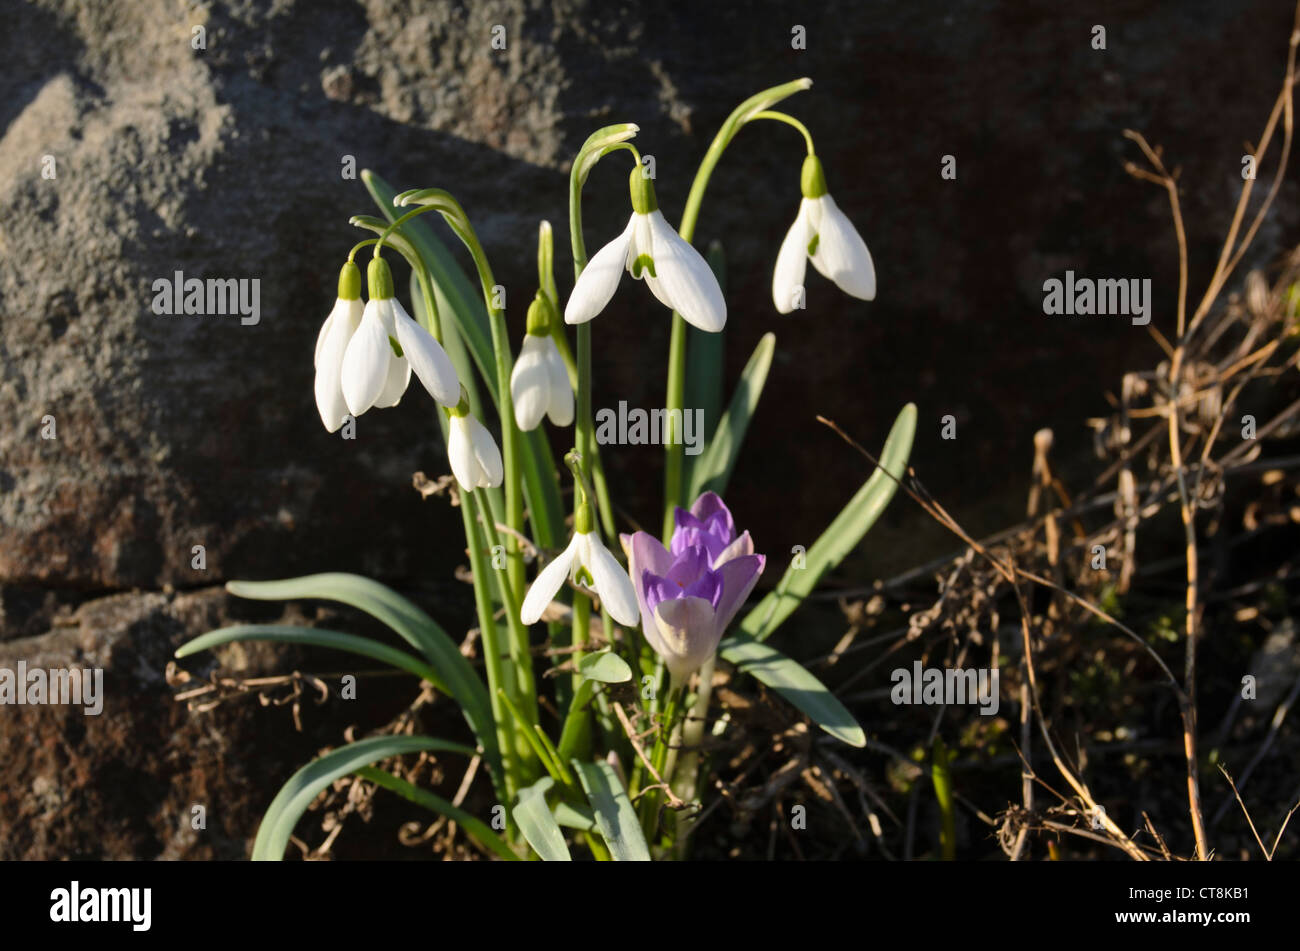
[(226, 162)]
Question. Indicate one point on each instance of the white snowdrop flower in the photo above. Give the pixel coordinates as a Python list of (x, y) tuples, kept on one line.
[(471, 450), (387, 347), (651, 250), (539, 383), (588, 562), (332, 343), (823, 235)]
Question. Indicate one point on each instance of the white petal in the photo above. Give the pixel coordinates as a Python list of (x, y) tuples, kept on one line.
[(560, 405), (599, 279), (427, 358), (842, 255), (690, 633), (365, 364), (338, 330), (643, 243), (683, 279), (529, 383), (324, 331), (399, 376), (460, 453), (792, 264), (486, 454), (548, 582), (611, 583)]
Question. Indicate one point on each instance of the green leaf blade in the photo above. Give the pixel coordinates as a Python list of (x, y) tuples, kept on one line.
[(456, 677), (314, 637), (615, 817), (539, 827), (795, 683), (306, 784)]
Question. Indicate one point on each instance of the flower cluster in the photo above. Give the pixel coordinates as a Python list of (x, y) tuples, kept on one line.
[(365, 358)]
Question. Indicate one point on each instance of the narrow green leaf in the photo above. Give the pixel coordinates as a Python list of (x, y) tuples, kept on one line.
[(605, 667), (575, 817), (712, 469), (455, 675), (571, 733), (795, 683), (843, 534), (472, 824), (615, 816), (315, 636), (539, 827), (306, 784)]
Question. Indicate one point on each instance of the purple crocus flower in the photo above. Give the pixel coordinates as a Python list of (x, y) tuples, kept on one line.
[(709, 525), (689, 593)]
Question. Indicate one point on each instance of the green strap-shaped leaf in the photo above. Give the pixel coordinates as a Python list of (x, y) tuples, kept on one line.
[(712, 469), (843, 534), (456, 677), (575, 817), (315, 636), (795, 683), (539, 827), (305, 785), (615, 816), (422, 797)]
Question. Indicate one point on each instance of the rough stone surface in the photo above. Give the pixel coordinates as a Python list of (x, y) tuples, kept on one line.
[(226, 162), (123, 783)]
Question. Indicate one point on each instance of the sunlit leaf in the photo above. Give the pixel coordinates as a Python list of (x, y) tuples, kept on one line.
[(795, 683), (315, 636), (539, 827), (306, 784), (615, 817), (455, 675)]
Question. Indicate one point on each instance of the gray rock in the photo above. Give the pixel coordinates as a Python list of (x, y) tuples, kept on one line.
[(226, 162)]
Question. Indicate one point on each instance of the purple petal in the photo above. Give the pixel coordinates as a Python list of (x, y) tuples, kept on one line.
[(708, 586), (698, 537), (709, 507), (645, 553), (738, 579), (682, 519), (689, 565), (657, 589)]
